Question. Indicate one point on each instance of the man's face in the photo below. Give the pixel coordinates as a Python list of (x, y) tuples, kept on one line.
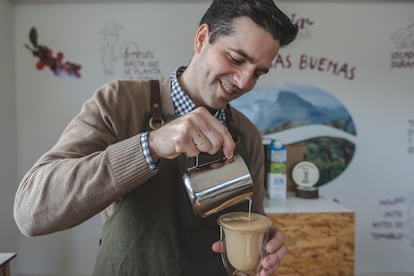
[(230, 66)]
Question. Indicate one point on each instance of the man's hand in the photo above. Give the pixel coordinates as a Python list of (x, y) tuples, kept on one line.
[(195, 132), (275, 249)]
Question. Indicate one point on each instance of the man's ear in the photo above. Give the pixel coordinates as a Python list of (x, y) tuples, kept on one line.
[(201, 37)]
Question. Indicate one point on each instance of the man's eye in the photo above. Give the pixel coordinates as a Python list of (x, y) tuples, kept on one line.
[(235, 61)]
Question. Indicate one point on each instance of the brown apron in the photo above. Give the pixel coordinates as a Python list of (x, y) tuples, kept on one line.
[(155, 231)]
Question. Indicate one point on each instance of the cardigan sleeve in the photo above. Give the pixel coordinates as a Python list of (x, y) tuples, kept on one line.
[(97, 160)]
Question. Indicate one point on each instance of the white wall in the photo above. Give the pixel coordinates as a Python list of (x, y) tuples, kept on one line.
[(379, 100), (8, 163)]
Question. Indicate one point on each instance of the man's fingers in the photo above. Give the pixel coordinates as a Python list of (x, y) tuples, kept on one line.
[(195, 132), (276, 250), (217, 247), (277, 239), (215, 132), (201, 142), (272, 261)]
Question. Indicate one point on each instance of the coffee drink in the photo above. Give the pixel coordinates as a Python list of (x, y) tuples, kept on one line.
[(244, 239)]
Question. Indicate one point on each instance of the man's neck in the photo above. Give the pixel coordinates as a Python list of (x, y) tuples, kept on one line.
[(187, 81)]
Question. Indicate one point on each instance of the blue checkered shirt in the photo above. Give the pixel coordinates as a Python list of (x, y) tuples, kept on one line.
[(182, 105)]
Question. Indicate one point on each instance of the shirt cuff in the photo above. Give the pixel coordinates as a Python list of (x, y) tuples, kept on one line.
[(146, 150)]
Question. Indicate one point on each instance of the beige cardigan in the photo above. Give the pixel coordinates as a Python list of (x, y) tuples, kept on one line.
[(99, 158)]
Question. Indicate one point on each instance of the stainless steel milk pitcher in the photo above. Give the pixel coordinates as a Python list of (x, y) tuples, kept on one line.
[(214, 186)]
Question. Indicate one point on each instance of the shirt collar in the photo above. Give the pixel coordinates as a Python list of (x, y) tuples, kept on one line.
[(182, 103)]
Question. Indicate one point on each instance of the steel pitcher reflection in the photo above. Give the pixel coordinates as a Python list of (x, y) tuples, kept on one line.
[(216, 185)]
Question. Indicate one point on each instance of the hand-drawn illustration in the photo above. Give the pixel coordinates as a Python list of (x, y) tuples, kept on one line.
[(300, 114), (304, 24), (110, 34), (404, 37), (45, 55), (137, 64), (403, 57)]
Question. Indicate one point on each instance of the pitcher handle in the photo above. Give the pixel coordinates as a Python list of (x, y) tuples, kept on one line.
[(197, 165)]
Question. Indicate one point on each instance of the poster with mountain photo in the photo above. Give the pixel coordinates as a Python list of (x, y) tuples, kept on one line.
[(301, 114)]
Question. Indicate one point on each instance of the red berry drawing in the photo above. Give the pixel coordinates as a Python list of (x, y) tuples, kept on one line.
[(40, 65), (46, 58)]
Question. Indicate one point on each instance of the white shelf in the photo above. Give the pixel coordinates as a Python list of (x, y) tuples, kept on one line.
[(5, 257), (299, 205)]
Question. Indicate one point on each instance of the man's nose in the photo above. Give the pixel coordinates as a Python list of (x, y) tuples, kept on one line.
[(244, 79)]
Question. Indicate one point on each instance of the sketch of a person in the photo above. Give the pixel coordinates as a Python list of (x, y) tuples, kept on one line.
[(404, 37), (110, 34)]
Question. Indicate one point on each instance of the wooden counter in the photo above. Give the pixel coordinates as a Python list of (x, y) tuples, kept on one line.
[(319, 233)]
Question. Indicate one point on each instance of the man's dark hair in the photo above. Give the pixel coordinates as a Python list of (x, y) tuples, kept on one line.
[(221, 13)]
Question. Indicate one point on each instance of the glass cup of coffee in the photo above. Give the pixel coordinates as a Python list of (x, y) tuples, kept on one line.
[(244, 236)]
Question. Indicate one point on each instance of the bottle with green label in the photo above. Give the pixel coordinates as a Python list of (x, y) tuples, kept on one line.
[(276, 173)]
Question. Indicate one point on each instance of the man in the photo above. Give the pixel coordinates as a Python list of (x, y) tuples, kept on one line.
[(108, 160)]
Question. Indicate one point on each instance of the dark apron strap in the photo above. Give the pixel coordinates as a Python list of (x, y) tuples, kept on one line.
[(235, 133), (156, 120)]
